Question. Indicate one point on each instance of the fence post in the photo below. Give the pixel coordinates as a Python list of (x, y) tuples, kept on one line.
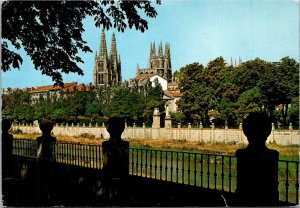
[(257, 171), (225, 131), (212, 132), (178, 130), (241, 132), (291, 133), (201, 130)]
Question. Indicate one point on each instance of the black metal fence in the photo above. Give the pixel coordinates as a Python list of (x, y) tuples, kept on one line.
[(196, 169)]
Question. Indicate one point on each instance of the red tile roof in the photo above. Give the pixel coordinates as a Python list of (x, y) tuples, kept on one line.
[(173, 93), (50, 87)]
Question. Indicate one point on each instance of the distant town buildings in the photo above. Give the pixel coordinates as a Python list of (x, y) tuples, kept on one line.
[(52, 93)]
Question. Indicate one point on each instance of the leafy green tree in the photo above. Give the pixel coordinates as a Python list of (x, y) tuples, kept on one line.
[(198, 96), (212, 69), (281, 84), (57, 28), (293, 112)]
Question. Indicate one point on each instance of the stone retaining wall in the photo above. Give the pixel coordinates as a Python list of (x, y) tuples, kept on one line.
[(203, 135)]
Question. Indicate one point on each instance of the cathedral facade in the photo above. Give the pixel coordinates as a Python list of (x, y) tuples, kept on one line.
[(159, 62), (107, 69)]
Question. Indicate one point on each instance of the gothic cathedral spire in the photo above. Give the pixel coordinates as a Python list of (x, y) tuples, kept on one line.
[(107, 70)]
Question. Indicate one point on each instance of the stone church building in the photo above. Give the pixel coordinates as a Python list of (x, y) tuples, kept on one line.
[(107, 69), (159, 62)]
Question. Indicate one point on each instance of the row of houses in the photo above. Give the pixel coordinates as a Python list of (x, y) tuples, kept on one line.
[(50, 92)]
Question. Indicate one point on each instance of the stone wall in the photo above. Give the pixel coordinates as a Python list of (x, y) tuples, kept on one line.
[(203, 135)]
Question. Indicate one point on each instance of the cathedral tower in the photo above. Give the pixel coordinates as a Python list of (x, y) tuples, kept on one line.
[(107, 70)]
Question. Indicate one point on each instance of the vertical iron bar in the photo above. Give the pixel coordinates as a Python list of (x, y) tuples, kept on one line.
[(160, 165), (201, 171), (97, 157), (189, 168), (287, 181), (215, 174), (68, 154), (101, 156), (137, 162), (141, 162), (177, 169), (146, 164), (172, 166), (229, 174), (222, 174), (132, 161), (150, 163), (166, 166), (155, 166), (297, 182), (195, 169), (208, 173), (182, 169)]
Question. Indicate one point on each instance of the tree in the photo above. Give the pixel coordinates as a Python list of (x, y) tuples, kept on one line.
[(198, 96), (281, 84), (57, 30)]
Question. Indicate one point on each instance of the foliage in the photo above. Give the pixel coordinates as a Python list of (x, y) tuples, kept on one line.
[(255, 85), (57, 28)]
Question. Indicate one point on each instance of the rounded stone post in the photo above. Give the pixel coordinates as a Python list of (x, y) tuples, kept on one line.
[(201, 126), (156, 118), (212, 125), (96, 125), (72, 125), (179, 125), (291, 126), (90, 125), (189, 125), (144, 126), (77, 124), (83, 125)]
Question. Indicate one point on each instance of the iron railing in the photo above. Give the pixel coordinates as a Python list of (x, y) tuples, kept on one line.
[(196, 169)]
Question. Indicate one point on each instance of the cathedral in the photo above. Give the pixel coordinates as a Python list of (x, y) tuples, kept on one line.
[(159, 63), (107, 70)]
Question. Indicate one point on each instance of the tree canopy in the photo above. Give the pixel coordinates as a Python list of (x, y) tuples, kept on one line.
[(228, 93), (51, 31)]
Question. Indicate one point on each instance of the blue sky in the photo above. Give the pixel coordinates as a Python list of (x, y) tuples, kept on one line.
[(197, 30)]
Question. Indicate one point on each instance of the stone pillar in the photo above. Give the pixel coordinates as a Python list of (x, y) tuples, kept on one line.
[(83, 125), (212, 138), (96, 125), (241, 133), (257, 166), (144, 126), (90, 125), (67, 125), (77, 125), (72, 125), (115, 170), (168, 121), (156, 119), (291, 133)]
